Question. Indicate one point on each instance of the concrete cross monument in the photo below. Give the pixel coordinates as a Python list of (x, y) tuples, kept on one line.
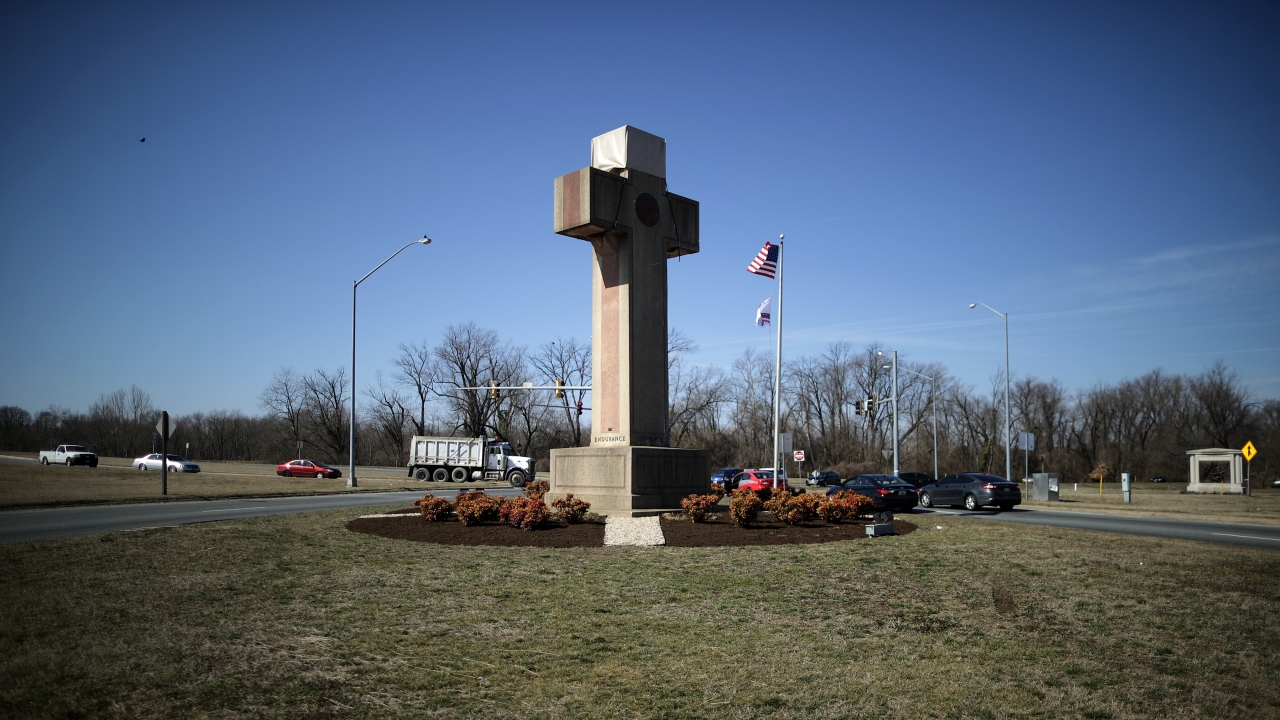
[(621, 206)]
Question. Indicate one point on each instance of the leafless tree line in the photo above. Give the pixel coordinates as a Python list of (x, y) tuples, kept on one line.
[(1142, 425)]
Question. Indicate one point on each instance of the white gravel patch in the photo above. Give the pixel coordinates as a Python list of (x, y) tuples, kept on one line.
[(409, 515), (642, 531)]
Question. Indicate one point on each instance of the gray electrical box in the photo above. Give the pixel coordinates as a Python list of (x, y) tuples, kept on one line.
[(1044, 486)]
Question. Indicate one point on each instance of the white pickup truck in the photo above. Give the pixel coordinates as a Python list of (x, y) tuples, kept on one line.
[(69, 455), (442, 459)]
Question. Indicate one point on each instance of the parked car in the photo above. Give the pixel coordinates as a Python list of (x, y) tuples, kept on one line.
[(1159, 478), (1275, 483), (917, 480), (725, 474), (973, 491), (823, 477), (755, 480), (307, 468), (176, 464), (886, 491)]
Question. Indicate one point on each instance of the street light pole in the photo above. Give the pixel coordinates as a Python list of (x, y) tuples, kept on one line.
[(894, 397), (933, 400), (1008, 419), (351, 443)]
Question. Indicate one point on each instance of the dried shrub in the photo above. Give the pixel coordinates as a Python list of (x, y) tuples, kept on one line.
[(697, 506), (718, 490), (525, 513), (537, 489), (570, 509), (846, 505), (1101, 472), (476, 506), (765, 494), (794, 509), (433, 508), (744, 507)]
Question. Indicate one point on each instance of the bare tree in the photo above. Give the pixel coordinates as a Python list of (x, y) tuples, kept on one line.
[(1221, 405), (415, 370), (695, 393), (569, 362), (284, 399), (469, 356), (325, 396), (391, 416)]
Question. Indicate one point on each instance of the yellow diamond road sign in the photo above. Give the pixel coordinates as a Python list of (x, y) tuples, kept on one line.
[(1249, 450)]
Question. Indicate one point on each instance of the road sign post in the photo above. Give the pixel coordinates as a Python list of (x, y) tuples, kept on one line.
[(1249, 451), (165, 427)]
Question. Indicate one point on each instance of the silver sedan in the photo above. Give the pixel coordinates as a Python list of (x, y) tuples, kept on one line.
[(176, 464)]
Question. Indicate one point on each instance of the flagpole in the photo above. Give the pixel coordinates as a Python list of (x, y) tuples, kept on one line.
[(777, 374)]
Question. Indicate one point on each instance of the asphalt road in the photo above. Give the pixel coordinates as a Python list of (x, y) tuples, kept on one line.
[(1262, 537), (51, 523), (48, 524)]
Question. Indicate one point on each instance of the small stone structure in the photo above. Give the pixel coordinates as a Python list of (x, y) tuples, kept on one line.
[(1233, 485), (621, 206)]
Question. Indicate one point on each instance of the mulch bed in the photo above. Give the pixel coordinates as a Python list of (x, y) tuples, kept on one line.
[(679, 533)]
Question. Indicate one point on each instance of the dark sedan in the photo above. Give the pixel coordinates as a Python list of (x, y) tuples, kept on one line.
[(823, 477), (973, 491), (725, 474), (886, 491), (918, 479)]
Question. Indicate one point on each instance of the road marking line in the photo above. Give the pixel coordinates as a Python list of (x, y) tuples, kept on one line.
[(1251, 537), (259, 507)]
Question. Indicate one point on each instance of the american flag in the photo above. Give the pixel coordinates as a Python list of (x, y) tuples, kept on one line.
[(766, 263)]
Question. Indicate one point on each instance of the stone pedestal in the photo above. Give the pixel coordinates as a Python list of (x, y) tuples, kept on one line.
[(630, 480)]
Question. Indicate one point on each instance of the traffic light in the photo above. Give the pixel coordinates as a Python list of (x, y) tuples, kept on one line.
[(579, 408), (559, 392), (493, 392), (871, 405), (858, 406)]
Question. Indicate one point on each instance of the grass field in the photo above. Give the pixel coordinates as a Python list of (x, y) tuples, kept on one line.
[(114, 480), (297, 617), (1165, 499)]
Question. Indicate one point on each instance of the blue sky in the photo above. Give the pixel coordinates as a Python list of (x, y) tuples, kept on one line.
[(1107, 173)]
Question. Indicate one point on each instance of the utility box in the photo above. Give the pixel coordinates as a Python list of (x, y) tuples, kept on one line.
[(1126, 485), (1044, 486)]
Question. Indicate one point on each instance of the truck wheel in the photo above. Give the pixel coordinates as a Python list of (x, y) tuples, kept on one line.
[(459, 474), (439, 475), (420, 475), (517, 478), (44, 461), (69, 462)]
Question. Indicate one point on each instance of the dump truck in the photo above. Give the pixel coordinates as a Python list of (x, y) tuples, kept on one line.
[(462, 459)]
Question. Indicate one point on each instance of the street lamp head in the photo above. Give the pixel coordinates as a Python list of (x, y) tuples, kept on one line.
[(973, 305), (425, 240)]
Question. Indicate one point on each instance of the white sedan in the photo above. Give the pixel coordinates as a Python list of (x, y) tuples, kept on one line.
[(176, 464)]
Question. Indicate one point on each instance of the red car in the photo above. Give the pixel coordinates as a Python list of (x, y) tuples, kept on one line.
[(307, 468), (755, 480)]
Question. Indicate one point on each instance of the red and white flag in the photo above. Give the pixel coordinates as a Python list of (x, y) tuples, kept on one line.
[(766, 263), (762, 313)]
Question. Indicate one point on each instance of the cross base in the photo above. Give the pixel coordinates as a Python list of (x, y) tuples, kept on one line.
[(630, 480)]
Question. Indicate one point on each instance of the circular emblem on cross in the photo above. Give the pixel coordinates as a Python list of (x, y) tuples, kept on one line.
[(647, 209)]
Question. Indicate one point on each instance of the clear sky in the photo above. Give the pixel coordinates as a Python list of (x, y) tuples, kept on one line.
[(1106, 173)]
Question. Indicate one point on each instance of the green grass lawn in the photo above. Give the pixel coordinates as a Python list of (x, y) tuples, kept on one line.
[(297, 617)]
